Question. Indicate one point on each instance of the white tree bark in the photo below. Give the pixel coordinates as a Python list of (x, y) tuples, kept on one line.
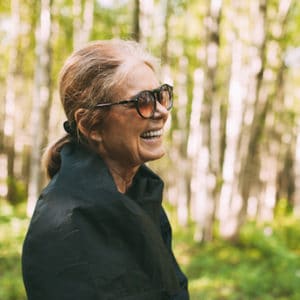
[(230, 201), (10, 99), (41, 102), (83, 17), (181, 162), (207, 160), (146, 25), (198, 180)]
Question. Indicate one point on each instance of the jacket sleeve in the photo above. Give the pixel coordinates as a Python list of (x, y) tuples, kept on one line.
[(53, 267), (166, 231)]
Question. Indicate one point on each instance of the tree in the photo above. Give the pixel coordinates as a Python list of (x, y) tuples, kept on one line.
[(10, 99), (83, 17), (136, 31), (253, 151), (41, 101), (207, 166)]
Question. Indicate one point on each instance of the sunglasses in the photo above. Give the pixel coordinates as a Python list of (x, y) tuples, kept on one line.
[(145, 101)]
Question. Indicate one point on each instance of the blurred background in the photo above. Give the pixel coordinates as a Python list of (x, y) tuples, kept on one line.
[(232, 169)]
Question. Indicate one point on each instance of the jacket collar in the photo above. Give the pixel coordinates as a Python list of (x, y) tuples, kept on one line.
[(85, 170)]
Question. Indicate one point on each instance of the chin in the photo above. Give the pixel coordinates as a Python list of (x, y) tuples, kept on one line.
[(154, 156)]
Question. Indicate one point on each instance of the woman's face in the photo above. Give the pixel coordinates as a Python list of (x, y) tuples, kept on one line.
[(124, 138)]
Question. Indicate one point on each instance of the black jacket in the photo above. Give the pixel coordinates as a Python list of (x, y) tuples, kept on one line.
[(87, 241)]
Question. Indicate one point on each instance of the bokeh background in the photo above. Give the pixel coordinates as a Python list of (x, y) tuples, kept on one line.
[(232, 168)]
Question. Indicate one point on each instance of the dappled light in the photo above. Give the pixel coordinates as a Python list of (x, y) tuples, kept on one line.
[(231, 170)]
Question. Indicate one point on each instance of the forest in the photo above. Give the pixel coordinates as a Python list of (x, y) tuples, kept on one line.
[(232, 163)]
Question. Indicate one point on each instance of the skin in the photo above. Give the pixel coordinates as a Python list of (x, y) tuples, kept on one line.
[(120, 143)]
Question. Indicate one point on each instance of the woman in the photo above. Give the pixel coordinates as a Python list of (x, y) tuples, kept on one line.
[(99, 230)]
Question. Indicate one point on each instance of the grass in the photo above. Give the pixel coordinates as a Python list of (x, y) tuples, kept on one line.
[(263, 265), (13, 224)]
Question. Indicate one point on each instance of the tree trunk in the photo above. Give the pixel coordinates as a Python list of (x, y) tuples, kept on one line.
[(9, 120), (165, 43), (250, 167), (229, 198), (42, 102), (146, 28), (208, 155), (275, 153), (255, 190), (282, 139), (297, 176), (244, 164), (136, 21), (270, 108), (180, 143), (179, 134), (77, 24), (193, 145), (83, 16), (88, 19)]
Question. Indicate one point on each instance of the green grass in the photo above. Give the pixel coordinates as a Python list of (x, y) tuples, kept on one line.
[(263, 265), (13, 224)]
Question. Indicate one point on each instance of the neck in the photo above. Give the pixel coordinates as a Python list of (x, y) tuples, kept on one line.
[(122, 176)]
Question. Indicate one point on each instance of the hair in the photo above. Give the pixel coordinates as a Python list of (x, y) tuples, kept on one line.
[(91, 75)]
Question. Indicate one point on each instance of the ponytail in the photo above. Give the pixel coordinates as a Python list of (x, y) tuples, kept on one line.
[(51, 159)]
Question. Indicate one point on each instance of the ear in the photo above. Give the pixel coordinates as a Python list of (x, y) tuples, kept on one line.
[(96, 136), (79, 118)]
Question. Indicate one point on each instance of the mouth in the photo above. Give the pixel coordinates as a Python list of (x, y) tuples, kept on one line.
[(152, 134)]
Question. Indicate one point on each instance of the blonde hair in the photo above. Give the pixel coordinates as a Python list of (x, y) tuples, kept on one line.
[(91, 75)]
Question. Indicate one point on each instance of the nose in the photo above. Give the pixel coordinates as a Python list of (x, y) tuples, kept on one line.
[(161, 112)]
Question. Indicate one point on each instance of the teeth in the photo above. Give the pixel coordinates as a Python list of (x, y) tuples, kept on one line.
[(150, 134)]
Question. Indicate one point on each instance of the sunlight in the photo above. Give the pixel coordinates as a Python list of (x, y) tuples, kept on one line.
[(111, 3), (194, 138), (252, 207)]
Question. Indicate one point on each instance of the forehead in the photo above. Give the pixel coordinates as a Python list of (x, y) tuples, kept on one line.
[(140, 77)]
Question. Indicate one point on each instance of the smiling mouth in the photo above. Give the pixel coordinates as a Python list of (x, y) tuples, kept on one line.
[(152, 134)]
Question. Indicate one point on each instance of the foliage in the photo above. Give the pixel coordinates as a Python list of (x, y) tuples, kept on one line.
[(13, 224), (18, 188), (264, 264)]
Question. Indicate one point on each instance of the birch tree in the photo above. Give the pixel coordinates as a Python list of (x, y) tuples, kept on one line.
[(41, 101), (250, 187), (136, 31), (146, 11), (207, 161), (10, 99), (180, 142), (275, 152), (244, 125), (83, 16), (250, 166)]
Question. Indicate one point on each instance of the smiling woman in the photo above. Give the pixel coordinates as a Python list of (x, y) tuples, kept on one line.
[(99, 230)]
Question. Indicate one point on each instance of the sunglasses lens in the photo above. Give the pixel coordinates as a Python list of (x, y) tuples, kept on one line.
[(146, 104), (165, 97)]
